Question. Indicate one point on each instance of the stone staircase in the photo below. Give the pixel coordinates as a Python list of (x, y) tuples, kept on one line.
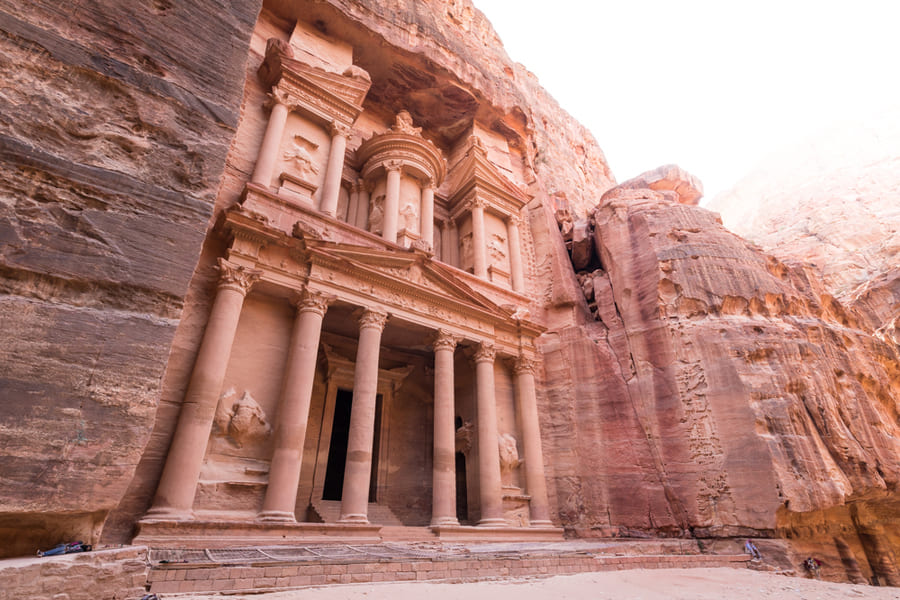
[(254, 570), (329, 511)]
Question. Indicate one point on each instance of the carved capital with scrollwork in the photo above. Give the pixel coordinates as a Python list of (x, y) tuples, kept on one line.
[(279, 96), (476, 203), (338, 128), (313, 301), (236, 277), (444, 340), (374, 319), (485, 353), (393, 165), (524, 364)]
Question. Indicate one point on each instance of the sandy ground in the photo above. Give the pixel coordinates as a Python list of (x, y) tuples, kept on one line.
[(639, 584)]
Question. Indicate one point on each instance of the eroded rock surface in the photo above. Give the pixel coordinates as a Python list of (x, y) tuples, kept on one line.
[(114, 125), (832, 201)]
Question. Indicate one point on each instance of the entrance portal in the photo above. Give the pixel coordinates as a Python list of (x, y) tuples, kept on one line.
[(337, 448)]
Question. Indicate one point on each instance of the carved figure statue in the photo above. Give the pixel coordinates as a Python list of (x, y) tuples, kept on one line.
[(496, 247), (509, 454), (410, 218), (404, 124), (376, 215), (465, 433), (465, 248), (243, 421), (302, 160)]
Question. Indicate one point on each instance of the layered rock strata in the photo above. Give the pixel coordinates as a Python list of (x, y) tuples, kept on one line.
[(114, 125)]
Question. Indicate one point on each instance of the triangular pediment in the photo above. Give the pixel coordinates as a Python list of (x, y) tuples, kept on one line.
[(476, 171), (351, 87), (414, 271)]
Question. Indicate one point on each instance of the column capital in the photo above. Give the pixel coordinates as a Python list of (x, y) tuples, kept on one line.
[(339, 129), (451, 223), (525, 364), (514, 220), (476, 203), (278, 96), (428, 184), (485, 353), (393, 165), (312, 301), (237, 277), (444, 340), (373, 319)]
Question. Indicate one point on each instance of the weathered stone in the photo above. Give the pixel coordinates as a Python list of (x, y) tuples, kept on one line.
[(113, 135), (582, 244), (668, 178), (324, 192)]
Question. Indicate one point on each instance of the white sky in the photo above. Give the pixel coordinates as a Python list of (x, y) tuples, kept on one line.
[(712, 86)]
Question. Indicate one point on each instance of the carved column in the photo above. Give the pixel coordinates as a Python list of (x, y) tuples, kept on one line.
[(392, 200), (358, 469), (178, 484), (515, 254), (443, 506), (362, 216), (293, 411), (479, 238), (353, 210), (453, 236), (331, 188), (427, 216), (268, 150), (488, 439), (536, 485)]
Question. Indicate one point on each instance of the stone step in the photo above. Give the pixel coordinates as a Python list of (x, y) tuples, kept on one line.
[(393, 533), (396, 562), (379, 514)]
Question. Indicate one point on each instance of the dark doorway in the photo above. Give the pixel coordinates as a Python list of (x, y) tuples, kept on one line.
[(337, 449), (462, 496)]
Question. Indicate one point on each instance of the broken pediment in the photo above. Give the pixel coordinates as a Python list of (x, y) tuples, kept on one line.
[(476, 176), (324, 94)]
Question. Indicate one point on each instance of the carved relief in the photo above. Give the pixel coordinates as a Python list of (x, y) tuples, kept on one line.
[(466, 249), (243, 421), (410, 218), (403, 123), (300, 158), (464, 436), (376, 215), (496, 248), (509, 454)]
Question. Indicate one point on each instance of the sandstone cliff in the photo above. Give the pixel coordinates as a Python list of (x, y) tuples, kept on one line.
[(114, 124), (691, 384), (832, 201), (740, 394)]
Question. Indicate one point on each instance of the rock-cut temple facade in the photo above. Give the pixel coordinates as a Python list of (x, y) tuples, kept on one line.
[(296, 271)]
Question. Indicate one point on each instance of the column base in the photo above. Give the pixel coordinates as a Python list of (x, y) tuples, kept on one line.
[(541, 523), (494, 522), (276, 516), (167, 513), (444, 522), (354, 518)]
